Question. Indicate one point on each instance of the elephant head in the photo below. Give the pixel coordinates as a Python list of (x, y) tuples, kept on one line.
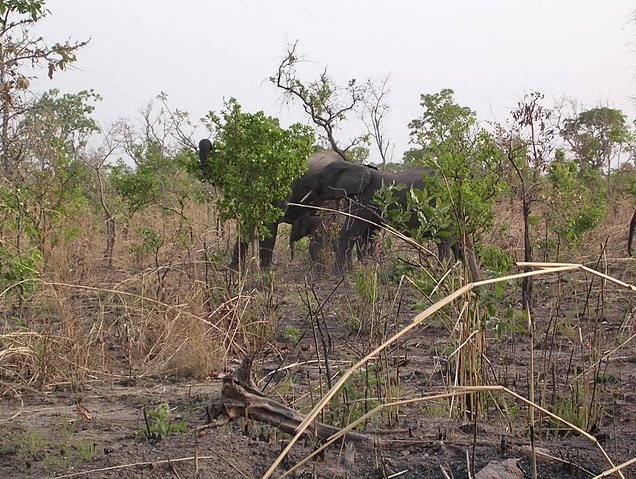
[(205, 147), (339, 179)]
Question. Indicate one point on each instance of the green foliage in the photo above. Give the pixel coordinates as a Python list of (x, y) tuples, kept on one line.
[(292, 333), (159, 425), (358, 154), (506, 322), (58, 451), (159, 177), (466, 159), (44, 206), (399, 206), (17, 271), (596, 136), (494, 260), (253, 163), (151, 243), (32, 8), (577, 201), (367, 284), (20, 50), (62, 121), (30, 444)]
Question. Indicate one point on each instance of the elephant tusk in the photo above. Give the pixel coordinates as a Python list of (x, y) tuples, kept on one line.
[(305, 197)]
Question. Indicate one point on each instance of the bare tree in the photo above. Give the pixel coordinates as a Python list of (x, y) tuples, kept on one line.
[(376, 107), (96, 159), (528, 142), (326, 103)]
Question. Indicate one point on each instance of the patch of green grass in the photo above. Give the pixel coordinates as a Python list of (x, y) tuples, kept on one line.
[(292, 333), (159, 424), (57, 453)]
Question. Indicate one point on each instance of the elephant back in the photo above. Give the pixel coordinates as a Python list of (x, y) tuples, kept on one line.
[(412, 176), (319, 160)]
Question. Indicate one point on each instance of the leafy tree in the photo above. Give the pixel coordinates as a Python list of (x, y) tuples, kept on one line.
[(45, 200), (52, 180), (576, 201), (467, 162), (157, 172), (596, 137), (40, 179), (56, 120), (253, 163), (20, 51)]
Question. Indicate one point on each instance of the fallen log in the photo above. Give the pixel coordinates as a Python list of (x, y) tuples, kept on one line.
[(239, 398)]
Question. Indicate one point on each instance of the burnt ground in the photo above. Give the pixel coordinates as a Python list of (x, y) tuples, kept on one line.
[(46, 434)]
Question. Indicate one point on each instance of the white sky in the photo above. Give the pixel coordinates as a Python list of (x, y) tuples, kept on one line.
[(489, 51)]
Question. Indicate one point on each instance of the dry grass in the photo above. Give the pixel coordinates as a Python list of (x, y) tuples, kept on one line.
[(161, 310), (173, 309)]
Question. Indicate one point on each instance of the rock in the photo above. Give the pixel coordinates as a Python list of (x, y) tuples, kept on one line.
[(507, 469)]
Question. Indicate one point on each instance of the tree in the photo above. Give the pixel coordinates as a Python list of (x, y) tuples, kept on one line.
[(576, 202), (253, 163), (376, 107), (20, 50), (467, 162), (46, 199), (528, 142), (326, 103), (596, 137), (158, 172)]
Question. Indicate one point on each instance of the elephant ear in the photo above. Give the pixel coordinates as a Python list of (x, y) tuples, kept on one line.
[(350, 180)]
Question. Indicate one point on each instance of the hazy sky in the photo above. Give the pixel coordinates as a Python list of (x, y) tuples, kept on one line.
[(489, 51)]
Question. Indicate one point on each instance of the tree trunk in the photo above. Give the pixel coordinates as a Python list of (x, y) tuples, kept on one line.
[(526, 285), (111, 232)]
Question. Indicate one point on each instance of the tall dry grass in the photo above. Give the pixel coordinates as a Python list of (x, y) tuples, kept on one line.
[(168, 308)]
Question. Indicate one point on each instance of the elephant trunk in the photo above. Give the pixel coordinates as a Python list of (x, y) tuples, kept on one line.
[(205, 146), (630, 237)]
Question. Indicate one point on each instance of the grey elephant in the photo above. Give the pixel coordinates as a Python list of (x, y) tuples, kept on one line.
[(316, 163), (359, 184)]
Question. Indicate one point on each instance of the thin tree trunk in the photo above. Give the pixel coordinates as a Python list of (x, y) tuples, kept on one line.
[(526, 285)]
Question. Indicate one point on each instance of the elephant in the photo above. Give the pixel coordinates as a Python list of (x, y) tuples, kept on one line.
[(359, 184), (630, 236), (316, 163)]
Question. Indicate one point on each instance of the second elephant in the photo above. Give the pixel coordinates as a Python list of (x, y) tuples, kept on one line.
[(359, 184)]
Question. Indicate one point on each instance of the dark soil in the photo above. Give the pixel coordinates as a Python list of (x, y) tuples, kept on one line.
[(46, 434)]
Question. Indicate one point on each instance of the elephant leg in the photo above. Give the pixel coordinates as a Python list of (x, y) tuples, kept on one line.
[(316, 247), (444, 248), (353, 230), (458, 252), (305, 225), (365, 244), (630, 235), (266, 247)]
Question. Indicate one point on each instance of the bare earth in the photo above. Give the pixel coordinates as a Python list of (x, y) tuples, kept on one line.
[(46, 434)]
